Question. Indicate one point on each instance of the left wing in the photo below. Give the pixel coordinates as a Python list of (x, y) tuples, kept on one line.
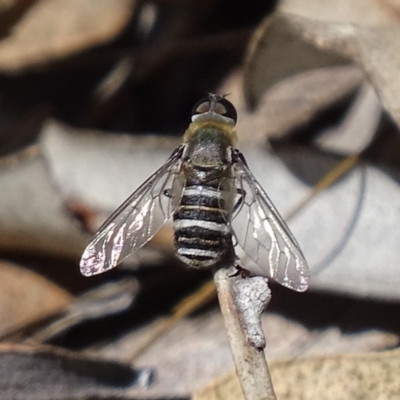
[(137, 220), (263, 235)]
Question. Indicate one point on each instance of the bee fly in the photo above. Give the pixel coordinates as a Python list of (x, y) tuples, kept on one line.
[(214, 200)]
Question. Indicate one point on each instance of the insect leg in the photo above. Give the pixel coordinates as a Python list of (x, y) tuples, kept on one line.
[(240, 271), (238, 156), (242, 194)]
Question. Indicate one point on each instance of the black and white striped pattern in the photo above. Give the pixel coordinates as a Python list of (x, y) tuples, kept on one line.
[(202, 233)]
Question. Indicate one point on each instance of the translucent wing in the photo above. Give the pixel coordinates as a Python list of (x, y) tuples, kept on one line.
[(137, 220), (264, 236)]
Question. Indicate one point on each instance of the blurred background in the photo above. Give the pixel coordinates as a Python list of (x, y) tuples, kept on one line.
[(96, 94)]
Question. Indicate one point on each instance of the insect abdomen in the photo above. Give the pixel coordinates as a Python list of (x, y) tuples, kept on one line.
[(202, 234)]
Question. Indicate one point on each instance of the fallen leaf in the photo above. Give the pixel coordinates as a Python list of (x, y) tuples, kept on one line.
[(119, 162), (44, 372), (278, 51), (10, 12), (33, 218), (53, 29), (59, 172), (107, 299), (196, 350), (297, 100), (358, 127), (286, 44), (348, 377), (26, 297), (292, 105), (360, 12)]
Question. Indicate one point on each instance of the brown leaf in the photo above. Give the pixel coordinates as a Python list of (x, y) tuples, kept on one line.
[(33, 218), (363, 376), (107, 299), (10, 12), (26, 296), (196, 350), (294, 102), (120, 163), (86, 216), (278, 51), (51, 30), (49, 373), (297, 99), (286, 44), (360, 12), (358, 127), (39, 187)]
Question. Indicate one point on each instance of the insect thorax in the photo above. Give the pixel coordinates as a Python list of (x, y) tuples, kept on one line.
[(209, 147)]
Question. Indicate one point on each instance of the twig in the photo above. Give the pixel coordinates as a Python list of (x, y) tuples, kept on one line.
[(250, 362)]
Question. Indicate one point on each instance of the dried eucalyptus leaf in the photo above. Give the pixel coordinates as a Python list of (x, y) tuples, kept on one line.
[(301, 98), (287, 44), (376, 51), (366, 376), (119, 163), (26, 296), (10, 12), (108, 299), (277, 51), (37, 191), (224, 387), (335, 333), (33, 217), (196, 350), (185, 358), (362, 376), (360, 12), (358, 127), (298, 99), (51, 30), (44, 372), (6, 6)]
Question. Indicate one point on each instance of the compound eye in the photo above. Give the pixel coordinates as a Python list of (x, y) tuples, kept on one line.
[(227, 109), (218, 105), (201, 107)]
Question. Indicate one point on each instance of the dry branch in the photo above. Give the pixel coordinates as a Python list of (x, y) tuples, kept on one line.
[(250, 362)]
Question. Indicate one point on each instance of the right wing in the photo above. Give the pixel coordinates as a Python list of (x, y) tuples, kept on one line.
[(264, 236), (137, 220)]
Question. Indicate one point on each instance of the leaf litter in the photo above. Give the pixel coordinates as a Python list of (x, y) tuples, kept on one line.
[(343, 64)]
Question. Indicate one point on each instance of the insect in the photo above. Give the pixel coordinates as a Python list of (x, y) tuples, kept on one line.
[(216, 204)]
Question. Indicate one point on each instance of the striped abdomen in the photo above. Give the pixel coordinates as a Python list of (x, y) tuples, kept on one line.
[(202, 234)]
